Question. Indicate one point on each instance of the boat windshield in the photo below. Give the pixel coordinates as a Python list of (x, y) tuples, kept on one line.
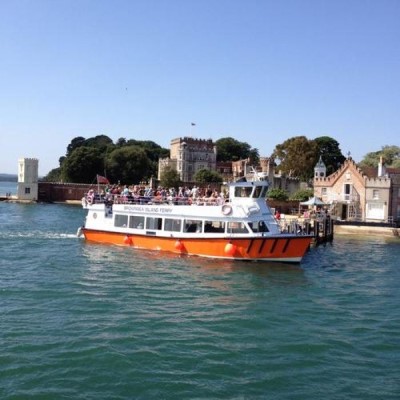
[(259, 226), (243, 191), (260, 192), (251, 191)]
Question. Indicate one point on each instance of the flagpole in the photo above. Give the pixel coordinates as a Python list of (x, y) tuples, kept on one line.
[(192, 124)]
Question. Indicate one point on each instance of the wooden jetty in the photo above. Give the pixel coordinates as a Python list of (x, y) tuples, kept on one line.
[(321, 228)]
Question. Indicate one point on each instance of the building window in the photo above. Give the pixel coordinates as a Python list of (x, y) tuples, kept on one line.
[(324, 191), (347, 191), (375, 194), (27, 190)]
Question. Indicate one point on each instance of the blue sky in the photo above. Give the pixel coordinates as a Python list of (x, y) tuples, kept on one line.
[(259, 71)]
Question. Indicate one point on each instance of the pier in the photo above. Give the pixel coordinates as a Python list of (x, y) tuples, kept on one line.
[(321, 228)]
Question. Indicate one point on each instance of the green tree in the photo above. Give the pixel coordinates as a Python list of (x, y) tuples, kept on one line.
[(128, 164), (229, 149), (75, 143), (330, 152), (277, 194), (207, 176), (100, 142), (82, 166), (302, 194), (390, 155), (298, 157), (152, 149), (121, 142), (170, 178), (53, 176)]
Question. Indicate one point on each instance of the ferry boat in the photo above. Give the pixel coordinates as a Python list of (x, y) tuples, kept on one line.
[(242, 227)]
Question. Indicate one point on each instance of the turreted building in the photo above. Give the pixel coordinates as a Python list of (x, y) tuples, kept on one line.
[(368, 195), (28, 177), (189, 155)]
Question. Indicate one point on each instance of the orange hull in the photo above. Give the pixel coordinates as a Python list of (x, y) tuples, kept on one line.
[(284, 248)]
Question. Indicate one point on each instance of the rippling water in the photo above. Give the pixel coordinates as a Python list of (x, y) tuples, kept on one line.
[(87, 321)]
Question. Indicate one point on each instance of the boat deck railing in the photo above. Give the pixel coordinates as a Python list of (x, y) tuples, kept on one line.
[(143, 200)]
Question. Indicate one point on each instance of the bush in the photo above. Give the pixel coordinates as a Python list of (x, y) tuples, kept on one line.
[(302, 194), (277, 194)]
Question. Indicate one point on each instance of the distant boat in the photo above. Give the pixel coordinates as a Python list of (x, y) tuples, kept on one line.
[(239, 228)]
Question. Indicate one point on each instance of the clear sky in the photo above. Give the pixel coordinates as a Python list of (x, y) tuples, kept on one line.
[(260, 71)]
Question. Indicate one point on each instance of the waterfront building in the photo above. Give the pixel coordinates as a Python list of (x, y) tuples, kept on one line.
[(188, 156), (355, 194), (28, 177)]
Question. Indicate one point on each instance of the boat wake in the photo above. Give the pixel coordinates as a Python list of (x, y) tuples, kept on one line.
[(38, 235)]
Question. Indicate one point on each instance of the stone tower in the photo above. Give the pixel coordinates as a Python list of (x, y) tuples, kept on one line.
[(28, 177)]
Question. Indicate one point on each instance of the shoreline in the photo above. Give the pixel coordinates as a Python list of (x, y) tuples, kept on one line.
[(366, 230)]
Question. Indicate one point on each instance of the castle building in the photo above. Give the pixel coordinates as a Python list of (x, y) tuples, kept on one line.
[(188, 156), (28, 177), (367, 195)]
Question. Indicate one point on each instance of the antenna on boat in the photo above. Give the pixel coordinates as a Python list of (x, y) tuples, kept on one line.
[(258, 176)]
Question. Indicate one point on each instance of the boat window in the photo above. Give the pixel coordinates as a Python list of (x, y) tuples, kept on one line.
[(171, 224), (193, 226), (257, 191), (260, 192), (243, 191), (121, 220), (264, 192), (136, 221), (153, 223), (259, 226), (237, 227), (214, 226)]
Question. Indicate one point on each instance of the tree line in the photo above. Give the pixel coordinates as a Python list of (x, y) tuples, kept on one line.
[(134, 161)]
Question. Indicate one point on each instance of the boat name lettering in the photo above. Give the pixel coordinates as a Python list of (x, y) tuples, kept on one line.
[(148, 209)]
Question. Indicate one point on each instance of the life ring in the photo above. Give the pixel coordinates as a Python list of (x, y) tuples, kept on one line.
[(226, 209)]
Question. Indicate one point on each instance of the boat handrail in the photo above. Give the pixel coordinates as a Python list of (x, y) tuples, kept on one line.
[(142, 200)]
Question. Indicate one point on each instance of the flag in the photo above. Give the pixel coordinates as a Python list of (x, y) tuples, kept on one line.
[(102, 179)]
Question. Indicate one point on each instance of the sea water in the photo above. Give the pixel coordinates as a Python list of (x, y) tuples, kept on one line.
[(90, 321), (8, 187)]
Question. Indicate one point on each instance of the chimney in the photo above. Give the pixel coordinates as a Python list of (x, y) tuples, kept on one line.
[(381, 168)]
